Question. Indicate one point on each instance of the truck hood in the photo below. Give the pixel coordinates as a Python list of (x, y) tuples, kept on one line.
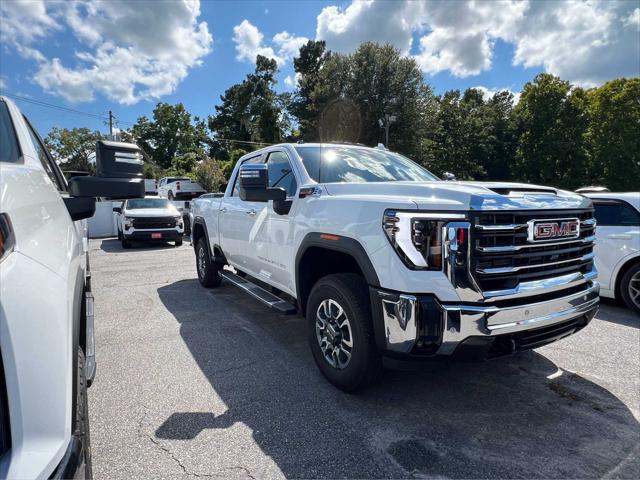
[(440, 195), (151, 212)]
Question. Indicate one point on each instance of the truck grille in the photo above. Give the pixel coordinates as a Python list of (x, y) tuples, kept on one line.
[(151, 223), (502, 255)]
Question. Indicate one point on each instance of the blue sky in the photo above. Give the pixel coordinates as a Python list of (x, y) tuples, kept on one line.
[(91, 56)]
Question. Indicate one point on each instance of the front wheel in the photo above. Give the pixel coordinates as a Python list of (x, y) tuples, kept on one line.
[(630, 288), (178, 243), (208, 271), (125, 243), (340, 332)]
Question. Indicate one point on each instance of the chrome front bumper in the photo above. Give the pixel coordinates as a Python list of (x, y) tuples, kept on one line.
[(401, 318)]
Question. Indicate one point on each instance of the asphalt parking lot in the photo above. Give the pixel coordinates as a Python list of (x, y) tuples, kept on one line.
[(209, 383)]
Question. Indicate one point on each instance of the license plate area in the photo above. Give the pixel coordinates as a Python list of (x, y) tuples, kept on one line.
[(156, 235)]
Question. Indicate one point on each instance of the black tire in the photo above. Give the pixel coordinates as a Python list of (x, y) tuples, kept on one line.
[(81, 423), (208, 271), (125, 243), (364, 365), (170, 196), (179, 243), (119, 235), (631, 281)]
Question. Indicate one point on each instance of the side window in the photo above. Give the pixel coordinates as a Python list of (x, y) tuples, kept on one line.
[(281, 173), (236, 185), (9, 151), (614, 214), (47, 162)]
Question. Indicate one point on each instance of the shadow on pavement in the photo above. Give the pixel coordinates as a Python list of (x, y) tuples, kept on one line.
[(518, 417), (114, 245), (616, 312)]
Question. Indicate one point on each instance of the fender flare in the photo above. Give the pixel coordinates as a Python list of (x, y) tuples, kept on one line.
[(198, 220), (337, 243)]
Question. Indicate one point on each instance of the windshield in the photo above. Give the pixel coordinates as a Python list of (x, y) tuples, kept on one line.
[(341, 164), (149, 203)]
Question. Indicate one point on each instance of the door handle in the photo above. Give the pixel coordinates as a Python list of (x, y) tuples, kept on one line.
[(619, 236), (223, 210), (251, 212)]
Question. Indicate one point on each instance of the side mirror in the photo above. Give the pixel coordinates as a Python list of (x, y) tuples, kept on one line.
[(119, 168), (254, 184), (449, 177), (117, 209)]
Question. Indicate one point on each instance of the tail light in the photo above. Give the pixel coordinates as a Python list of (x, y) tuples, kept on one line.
[(177, 185), (7, 237)]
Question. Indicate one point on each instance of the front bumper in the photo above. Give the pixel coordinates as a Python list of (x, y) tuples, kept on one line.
[(146, 235), (419, 325)]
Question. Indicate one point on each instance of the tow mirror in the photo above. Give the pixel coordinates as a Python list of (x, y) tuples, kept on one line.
[(117, 209), (119, 173), (254, 184), (449, 177)]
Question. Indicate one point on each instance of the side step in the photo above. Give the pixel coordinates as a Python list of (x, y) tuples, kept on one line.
[(260, 293)]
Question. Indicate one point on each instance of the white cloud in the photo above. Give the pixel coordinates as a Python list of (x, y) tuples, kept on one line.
[(587, 42), (248, 40), (288, 45), (291, 81), (128, 50), (250, 43), (488, 93), (3, 82)]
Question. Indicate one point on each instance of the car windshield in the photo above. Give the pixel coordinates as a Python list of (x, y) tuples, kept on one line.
[(149, 203), (343, 164)]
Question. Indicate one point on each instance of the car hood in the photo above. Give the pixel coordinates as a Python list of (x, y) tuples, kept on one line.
[(440, 195), (151, 212)]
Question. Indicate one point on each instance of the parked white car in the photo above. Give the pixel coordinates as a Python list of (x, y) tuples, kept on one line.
[(179, 188), (618, 245), (149, 219), (385, 259), (47, 351)]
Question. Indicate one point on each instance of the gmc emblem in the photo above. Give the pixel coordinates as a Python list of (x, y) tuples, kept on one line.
[(561, 228)]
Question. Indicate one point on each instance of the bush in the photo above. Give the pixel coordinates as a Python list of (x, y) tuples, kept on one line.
[(210, 175)]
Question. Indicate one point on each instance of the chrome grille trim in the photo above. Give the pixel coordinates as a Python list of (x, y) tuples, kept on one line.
[(501, 227), (515, 248), (498, 270)]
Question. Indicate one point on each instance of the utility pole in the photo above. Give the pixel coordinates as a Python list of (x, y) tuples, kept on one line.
[(386, 123), (110, 124)]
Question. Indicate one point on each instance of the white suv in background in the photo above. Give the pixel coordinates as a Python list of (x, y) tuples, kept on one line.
[(149, 219), (618, 245)]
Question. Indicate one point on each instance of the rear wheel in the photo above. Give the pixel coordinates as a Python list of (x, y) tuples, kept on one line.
[(630, 288), (340, 332), (208, 271), (82, 415), (170, 196)]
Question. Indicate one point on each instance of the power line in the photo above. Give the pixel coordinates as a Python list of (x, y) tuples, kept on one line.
[(51, 105)]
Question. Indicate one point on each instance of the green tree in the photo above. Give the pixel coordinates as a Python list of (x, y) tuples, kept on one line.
[(210, 175), (614, 135), (171, 133), (71, 148), (251, 110), (552, 119)]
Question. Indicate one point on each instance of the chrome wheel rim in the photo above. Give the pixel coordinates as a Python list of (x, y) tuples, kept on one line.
[(333, 332), (201, 263), (634, 289)]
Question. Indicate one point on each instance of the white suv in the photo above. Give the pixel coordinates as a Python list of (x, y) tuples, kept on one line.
[(149, 219), (618, 245), (47, 354)]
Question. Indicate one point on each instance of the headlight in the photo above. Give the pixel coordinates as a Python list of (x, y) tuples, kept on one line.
[(128, 221), (417, 237)]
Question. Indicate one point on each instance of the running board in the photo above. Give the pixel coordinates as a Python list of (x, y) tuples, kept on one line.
[(260, 293)]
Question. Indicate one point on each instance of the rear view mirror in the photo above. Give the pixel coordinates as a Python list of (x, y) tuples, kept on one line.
[(449, 177), (254, 184)]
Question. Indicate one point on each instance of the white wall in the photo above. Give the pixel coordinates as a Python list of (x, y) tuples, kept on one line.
[(103, 222)]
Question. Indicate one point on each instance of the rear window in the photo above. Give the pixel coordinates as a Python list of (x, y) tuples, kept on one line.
[(178, 179), (9, 151)]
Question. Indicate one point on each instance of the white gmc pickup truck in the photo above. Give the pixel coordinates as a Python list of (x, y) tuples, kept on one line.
[(385, 259)]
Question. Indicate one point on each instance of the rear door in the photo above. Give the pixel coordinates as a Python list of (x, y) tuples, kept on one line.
[(618, 235), (243, 228)]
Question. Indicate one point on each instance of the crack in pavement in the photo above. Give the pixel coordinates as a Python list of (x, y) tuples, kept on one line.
[(177, 460)]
